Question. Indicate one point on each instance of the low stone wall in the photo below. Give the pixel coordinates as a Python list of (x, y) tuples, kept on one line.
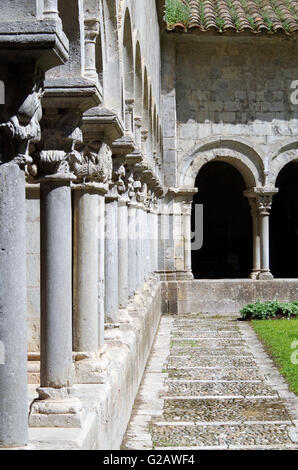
[(223, 296), (107, 407)]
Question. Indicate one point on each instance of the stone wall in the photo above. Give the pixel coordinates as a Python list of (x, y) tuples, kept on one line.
[(224, 296), (229, 88), (33, 267)]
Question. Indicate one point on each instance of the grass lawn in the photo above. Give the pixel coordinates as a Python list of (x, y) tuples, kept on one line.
[(277, 336)]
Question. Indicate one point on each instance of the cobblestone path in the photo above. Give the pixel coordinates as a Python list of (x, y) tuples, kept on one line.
[(210, 385)]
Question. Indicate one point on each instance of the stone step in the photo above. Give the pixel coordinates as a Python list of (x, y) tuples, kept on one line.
[(243, 389), (228, 373), (182, 361), (204, 334), (208, 342), (211, 327), (223, 409), (199, 351), (255, 435)]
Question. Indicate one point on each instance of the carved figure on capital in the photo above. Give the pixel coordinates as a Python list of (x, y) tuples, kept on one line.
[(22, 129)]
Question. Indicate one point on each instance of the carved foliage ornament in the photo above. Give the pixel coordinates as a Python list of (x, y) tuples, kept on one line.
[(22, 129)]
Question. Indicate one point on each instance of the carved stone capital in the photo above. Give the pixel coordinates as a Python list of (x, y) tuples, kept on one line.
[(118, 186), (96, 164), (57, 154), (91, 29), (264, 204), (22, 129)]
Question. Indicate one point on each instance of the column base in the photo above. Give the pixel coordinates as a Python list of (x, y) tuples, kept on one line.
[(265, 276), (91, 368), (254, 275), (56, 408)]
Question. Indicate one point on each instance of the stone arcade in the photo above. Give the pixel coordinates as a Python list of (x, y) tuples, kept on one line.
[(108, 121)]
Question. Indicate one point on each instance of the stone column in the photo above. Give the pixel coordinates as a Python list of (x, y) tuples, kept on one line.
[(256, 239), (101, 269), (91, 33), (155, 240), (145, 243), (111, 260), (123, 248), (129, 119), (14, 156), (132, 248), (264, 207), (88, 278), (139, 247), (50, 10), (187, 237), (56, 280), (13, 321), (57, 406), (86, 271)]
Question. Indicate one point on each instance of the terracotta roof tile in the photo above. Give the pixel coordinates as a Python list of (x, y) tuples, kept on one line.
[(254, 16)]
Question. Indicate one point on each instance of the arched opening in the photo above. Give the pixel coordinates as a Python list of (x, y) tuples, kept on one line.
[(284, 224), (138, 81), (227, 226), (128, 58)]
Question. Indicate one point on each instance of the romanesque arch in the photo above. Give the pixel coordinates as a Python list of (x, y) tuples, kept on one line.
[(111, 61), (286, 154), (138, 86), (238, 153), (128, 59)]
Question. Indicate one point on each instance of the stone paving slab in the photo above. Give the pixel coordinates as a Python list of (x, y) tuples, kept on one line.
[(243, 389), (208, 342), (182, 361), (198, 333), (222, 409), (193, 435), (219, 373), (207, 352)]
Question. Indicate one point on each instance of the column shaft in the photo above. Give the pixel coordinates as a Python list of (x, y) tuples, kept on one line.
[(101, 270), (132, 249), (13, 322), (187, 238), (111, 261), (256, 243), (56, 301), (123, 253), (86, 271), (139, 246), (264, 230)]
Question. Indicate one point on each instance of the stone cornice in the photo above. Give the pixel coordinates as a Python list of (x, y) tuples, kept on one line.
[(42, 41), (102, 123), (71, 93)]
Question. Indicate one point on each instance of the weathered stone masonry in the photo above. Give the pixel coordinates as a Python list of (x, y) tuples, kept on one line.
[(108, 119)]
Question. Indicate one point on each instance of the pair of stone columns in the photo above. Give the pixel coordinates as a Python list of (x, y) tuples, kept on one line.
[(260, 201)]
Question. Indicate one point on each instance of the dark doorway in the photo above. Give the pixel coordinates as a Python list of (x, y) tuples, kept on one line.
[(227, 246), (284, 224)]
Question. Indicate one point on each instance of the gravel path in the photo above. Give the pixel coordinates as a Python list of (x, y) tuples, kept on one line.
[(210, 385)]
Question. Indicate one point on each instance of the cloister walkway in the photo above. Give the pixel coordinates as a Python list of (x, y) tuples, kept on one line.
[(210, 385)]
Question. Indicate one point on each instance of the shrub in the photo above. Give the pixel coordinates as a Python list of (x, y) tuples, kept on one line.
[(176, 12), (269, 309)]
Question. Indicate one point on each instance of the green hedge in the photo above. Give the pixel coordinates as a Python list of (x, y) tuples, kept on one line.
[(270, 309)]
